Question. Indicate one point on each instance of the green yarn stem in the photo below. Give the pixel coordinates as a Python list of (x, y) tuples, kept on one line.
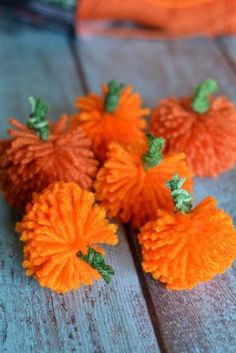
[(113, 96), (201, 102), (153, 156), (96, 261), (37, 120), (182, 198)]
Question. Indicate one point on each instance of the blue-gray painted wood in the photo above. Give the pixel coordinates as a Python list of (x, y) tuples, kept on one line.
[(97, 319), (202, 320), (228, 47)]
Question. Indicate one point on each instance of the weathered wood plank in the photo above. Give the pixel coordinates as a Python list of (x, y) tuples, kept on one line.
[(204, 319), (112, 319), (228, 47)]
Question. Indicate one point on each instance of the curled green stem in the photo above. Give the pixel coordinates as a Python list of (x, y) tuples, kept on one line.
[(37, 120), (153, 156), (113, 96), (201, 98), (96, 261), (182, 198)]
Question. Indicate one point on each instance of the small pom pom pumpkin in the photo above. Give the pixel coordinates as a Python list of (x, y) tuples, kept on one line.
[(115, 116), (203, 128), (60, 231), (186, 246), (132, 187), (41, 153)]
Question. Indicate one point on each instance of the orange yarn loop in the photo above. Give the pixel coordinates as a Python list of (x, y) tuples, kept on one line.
[(124, 125), (132, 193), (182, 250), (28, 164), (61, 223), (208, 140)]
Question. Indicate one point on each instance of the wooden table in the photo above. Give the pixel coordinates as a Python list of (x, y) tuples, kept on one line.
[(134, 314)]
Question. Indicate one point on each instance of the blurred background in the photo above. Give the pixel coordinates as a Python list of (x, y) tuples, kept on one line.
[(54, 14)]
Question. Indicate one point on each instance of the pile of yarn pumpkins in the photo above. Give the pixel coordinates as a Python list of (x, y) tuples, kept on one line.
[(71, 179)]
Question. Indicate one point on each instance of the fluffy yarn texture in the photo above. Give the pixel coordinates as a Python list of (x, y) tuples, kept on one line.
[(208, 140), (182, 250), (131, 193), (28, 164), (61, 223), (124, 125)]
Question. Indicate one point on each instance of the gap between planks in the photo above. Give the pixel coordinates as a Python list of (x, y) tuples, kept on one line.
[(187, 75), (47, 321), (222, 46), (128, 232)]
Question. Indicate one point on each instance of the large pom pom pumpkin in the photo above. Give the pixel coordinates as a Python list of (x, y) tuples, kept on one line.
[(115, 116), (203, 128), (39, 153), (186, 246), (61, 231), (132, 187)]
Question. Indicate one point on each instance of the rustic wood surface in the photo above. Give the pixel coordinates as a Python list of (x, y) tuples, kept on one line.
[(204, 319), (134, 313), (97, 319)]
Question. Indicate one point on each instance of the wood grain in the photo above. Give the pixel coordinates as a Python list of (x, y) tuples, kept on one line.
[(204, 319), (98, 319)]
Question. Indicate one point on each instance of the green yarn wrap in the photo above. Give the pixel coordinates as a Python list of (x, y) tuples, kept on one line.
[(113, 96), (153, 156), (96, 261), (37, 120), (182, 198), (201, 102)]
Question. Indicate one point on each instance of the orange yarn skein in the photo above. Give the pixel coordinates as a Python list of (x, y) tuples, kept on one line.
[(186, 246), (41, 153), (60, 231), (132, 188), (202, 128), (116, 116)]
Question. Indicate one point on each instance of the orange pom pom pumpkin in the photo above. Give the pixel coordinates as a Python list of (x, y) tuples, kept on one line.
[(185, 246), (205, 130), (132, 188), (116, 116), (38, 154), (60, 231)]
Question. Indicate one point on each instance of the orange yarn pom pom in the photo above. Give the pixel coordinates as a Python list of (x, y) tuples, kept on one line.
[(116, 116), (31, 159), (60, 231), (132, 188), (184, 249), (207, 138)]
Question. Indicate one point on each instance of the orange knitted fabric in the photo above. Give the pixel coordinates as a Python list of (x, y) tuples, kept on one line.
[(182, 250), (177, 3), (28, 164), (59, 227), (124, 125), (133, 194), (191, 17), (208, 140)]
